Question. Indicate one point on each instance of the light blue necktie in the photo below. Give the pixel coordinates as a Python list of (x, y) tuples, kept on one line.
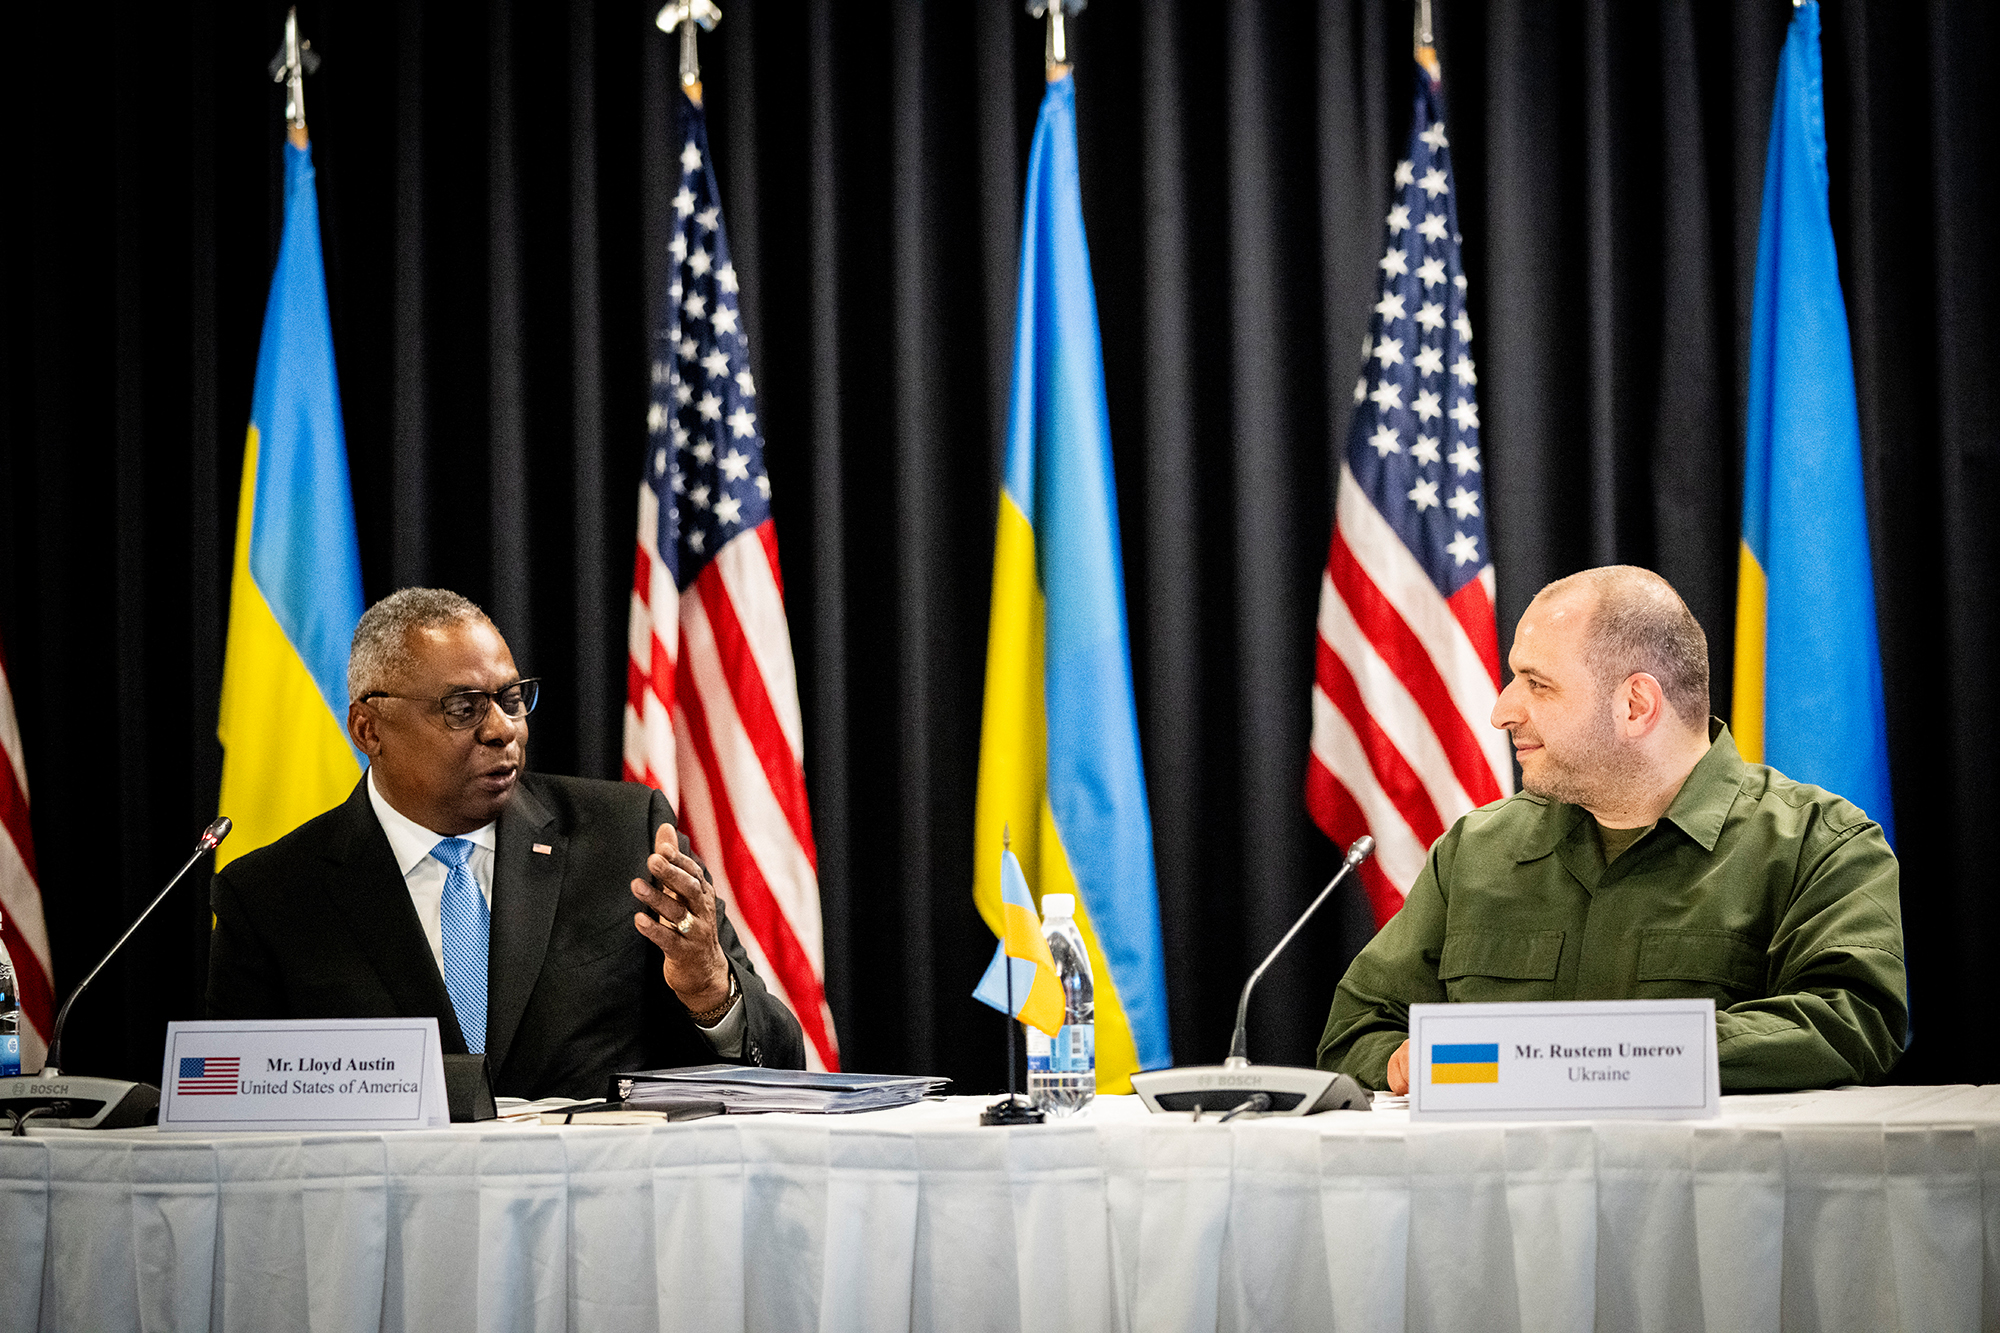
[(465, 924)]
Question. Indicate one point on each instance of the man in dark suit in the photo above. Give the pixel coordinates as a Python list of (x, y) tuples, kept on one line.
[(454, 883)]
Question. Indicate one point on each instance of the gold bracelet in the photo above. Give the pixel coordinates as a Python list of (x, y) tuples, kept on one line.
[(710, 1017)]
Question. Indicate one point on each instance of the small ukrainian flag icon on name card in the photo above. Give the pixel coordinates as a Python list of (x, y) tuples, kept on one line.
[(1476, 1062)]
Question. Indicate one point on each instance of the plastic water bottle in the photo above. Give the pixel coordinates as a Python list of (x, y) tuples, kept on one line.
[(10, 1018), (1062, 1070)]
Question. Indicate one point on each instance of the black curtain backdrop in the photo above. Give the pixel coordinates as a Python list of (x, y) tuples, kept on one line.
[(493, 186)]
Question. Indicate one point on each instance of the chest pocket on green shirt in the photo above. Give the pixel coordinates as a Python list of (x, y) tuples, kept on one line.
[(1494, 965), (1692, 964)]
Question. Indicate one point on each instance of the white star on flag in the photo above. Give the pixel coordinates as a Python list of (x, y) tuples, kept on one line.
[(1463, 503), (1425, 494)]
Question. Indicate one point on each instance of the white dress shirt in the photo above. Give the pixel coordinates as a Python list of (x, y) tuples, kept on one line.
[(423, 874)]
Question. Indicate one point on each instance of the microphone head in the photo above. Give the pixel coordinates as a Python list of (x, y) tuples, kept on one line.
[(1363, 848), (215, 833)]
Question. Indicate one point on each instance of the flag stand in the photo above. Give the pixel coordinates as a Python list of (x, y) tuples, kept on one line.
[(1011, 1109)]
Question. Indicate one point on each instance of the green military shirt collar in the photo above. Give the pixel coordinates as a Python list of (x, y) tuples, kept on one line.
[(1703, 802), (1698, 809)]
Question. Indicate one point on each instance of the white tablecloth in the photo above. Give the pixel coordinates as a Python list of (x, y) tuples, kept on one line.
[(1866, 1209)]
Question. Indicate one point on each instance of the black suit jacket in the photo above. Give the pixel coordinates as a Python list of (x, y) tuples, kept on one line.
[(320, 925)]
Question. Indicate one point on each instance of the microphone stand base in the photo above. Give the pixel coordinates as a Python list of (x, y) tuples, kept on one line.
[(1012, 1109), (1226, 1087), (66, 1101)]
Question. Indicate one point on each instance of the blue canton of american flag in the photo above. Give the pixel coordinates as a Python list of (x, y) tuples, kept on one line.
[(207, 1076), (707, 468), (712, 702), (1408, 657)]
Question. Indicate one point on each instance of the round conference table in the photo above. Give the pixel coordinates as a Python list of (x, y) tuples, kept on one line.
[(1866, 1209)]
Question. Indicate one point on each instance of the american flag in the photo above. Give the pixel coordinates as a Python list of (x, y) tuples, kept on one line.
[(21, 927), (207, 1076), (1408, 661), (712, 701)]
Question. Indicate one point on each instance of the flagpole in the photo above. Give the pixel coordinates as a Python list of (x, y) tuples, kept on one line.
[(688, 15), (1009, 1110), (295, 60), (1056, 62)]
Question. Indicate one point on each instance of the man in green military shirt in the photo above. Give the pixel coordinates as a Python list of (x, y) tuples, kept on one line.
[(1644, 859)]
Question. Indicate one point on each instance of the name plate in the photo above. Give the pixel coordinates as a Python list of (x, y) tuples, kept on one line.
[(1564, 1060), (293, 1074)]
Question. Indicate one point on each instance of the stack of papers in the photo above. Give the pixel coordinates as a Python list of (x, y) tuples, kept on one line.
[(748, 1089)]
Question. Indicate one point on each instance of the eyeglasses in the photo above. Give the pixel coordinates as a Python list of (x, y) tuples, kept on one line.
[(464, 709)]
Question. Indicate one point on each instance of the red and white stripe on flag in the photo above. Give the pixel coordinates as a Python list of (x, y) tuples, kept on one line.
[(1404, 685), (712, 719), (21, 925)]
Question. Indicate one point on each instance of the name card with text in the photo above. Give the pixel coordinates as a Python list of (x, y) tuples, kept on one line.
[(1564, 1060), (295, 1074)]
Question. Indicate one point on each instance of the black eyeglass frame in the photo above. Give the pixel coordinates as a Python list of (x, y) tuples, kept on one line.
[(529, 686)]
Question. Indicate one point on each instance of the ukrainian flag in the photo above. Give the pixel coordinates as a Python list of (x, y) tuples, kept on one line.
[(1022, 969), (295, 593), (1059, 743), (1808, 688), (1469, 1062)]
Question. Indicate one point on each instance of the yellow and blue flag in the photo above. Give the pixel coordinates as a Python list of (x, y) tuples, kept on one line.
[(1466, 1062), (1059, 735), (295, 592), (1022, 960), (1808, 687)]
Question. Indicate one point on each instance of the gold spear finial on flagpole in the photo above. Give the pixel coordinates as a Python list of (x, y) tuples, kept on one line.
[(295, 60), (688, 15), (1055, 48)]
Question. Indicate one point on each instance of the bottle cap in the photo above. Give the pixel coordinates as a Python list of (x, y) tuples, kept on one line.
[(1057, 906)]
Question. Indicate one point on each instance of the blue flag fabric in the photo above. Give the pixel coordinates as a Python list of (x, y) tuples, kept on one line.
[(1808, 696)]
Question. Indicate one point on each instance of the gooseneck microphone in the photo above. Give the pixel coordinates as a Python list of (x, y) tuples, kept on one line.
[(1240, 1088), (1363, 848), (95, 1103)]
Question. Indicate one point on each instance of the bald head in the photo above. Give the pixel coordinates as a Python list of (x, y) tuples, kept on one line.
[(1638, 623)]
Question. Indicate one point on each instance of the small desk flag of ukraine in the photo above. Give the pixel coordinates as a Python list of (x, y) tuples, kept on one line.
[(1037, 994)]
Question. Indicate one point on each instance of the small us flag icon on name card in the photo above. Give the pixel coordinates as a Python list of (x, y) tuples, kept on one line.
[(207, 1076)]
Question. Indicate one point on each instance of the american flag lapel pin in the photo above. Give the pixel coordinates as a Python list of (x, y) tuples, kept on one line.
[(543, 848)]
